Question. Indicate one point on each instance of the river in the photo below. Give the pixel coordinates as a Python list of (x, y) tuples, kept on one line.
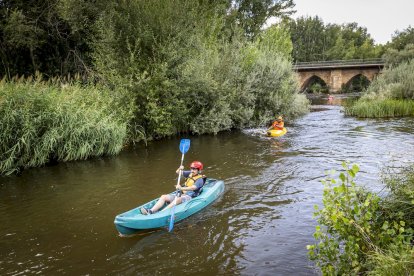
[(59, 219)]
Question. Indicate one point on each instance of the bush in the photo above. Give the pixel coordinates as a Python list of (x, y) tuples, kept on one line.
[(393, 83), (359, 232), (188, 75)]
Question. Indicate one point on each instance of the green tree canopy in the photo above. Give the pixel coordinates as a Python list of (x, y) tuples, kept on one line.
[(251, 15), (50, 36), (313, 40), (402, 39)]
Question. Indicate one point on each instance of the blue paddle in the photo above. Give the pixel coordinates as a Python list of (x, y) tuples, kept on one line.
[(184, 146)]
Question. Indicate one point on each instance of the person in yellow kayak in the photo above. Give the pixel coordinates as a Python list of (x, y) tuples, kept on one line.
[(193, 186), (278, 123)]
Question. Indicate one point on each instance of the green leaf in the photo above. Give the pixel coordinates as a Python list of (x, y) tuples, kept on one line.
[(342, 177), (355, 169)]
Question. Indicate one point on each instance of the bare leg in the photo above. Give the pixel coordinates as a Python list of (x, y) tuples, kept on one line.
[(179, 200), (160, 203)]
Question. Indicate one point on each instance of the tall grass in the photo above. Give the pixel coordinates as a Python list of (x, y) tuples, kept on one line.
[(42, 121), (398, 258), (395, 260), (390, 95), (381, 108)]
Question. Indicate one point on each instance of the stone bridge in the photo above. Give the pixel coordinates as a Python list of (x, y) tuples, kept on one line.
[(337, 73)]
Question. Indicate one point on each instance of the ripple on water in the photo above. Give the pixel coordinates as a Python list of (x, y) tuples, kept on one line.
[(60, 219)]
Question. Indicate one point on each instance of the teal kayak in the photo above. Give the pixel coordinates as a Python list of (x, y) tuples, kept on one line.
[(132, 221)]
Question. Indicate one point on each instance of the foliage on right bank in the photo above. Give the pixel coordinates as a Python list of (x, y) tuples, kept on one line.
[(390, 95), (361, 233)]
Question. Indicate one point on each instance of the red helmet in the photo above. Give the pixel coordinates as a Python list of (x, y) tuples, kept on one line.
[(197, 164)]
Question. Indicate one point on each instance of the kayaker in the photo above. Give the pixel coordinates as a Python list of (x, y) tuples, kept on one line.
[(278, 123), (192, 188)]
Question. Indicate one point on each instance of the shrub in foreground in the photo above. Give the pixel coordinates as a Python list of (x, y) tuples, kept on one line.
[(361, 233)]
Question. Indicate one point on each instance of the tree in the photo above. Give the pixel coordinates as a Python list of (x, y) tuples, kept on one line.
[(394, 57), (251, 15), (276, 39), (401, 39), (50, 36), (313, 41), (309, 41), (23, 34)]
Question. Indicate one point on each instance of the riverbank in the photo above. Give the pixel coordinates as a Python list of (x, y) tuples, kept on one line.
[(390, 95), (55, 121), (381, 108)]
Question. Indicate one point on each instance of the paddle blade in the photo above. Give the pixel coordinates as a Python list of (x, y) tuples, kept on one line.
[(184, 145), (170, 228)]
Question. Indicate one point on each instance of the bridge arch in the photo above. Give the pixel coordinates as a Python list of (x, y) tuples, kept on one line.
[(356, 83), (314, 79), (349, 76), (337, 73), (308, 78)]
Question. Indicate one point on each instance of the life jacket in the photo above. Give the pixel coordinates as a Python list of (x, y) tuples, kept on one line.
[(190, 181), (278, 125)]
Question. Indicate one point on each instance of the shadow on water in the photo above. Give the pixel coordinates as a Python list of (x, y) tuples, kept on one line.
[(59, 219)]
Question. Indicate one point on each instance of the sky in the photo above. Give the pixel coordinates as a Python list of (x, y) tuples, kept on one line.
[(381, 17)]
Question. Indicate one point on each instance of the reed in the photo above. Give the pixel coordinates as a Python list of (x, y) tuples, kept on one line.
[(381, 108), (390, 95), (43, 121)]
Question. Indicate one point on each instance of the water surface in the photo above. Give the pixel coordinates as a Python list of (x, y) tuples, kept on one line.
[(59, 219)]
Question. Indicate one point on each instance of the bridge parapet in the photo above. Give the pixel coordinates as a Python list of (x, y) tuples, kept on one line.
[(378, 62)]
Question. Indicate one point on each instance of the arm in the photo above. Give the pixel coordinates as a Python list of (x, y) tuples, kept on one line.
[(183, 173), (191, 188), (180, 169)]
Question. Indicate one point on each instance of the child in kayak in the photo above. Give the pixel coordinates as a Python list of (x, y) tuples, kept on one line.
[(278, 123), (192, 188)]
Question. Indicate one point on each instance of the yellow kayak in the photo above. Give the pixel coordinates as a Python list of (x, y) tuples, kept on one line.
[(276, 132)]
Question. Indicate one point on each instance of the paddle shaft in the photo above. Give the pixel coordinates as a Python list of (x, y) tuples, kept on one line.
[(177, 194), (180, 172), (179, 178)]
